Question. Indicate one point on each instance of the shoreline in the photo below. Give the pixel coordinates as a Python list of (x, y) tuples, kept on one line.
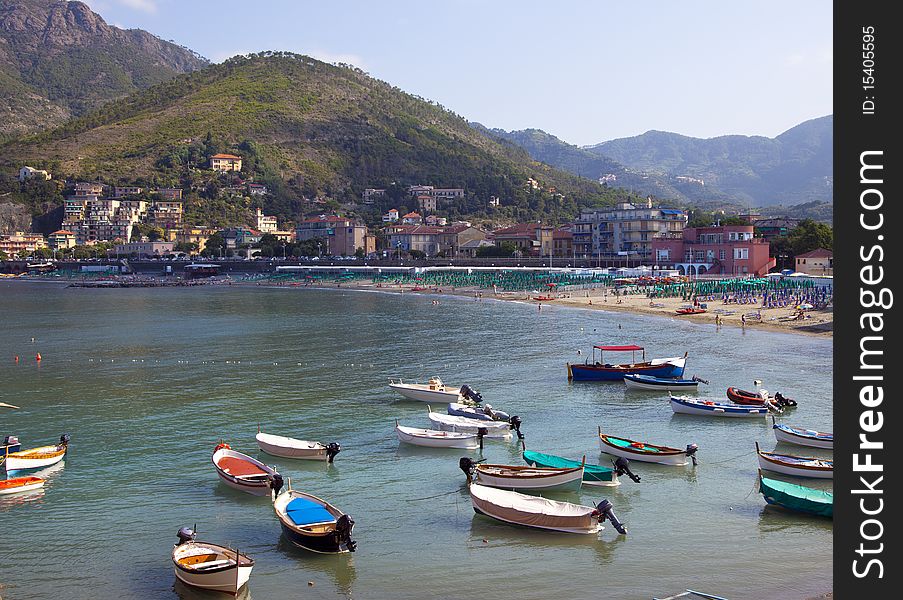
[(816, 323)]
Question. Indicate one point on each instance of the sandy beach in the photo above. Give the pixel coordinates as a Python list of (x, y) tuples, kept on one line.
[(814, 322)]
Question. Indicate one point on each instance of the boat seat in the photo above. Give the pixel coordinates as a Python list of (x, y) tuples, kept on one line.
[(212, 564), (302, 511)]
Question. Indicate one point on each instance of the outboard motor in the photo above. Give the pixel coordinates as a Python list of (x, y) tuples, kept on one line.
[(783, 401), (275, 482), (64, 439), (10, 444), (343, 527), (604, 511), (515, 425), (691, 452), (468, 466), (332, 448), (481, 433), (471, 394), (622, 468), (186, 534)]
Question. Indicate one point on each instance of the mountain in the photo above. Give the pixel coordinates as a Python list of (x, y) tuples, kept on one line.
[(310, 130), (549, 149), (796, 167), (59, 59)]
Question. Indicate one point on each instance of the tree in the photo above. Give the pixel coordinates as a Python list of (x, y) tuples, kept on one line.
[(505, 250), (215, 245), (810, 235), (4, 255)]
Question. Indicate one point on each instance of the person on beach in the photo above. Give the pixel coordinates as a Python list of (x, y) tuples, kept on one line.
[(743, 320)]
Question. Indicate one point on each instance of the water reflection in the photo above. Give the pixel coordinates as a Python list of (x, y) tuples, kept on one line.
[(339, 568), (488, 532), (188, 592)]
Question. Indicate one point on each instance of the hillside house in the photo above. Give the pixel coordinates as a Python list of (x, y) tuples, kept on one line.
[(225, 162)]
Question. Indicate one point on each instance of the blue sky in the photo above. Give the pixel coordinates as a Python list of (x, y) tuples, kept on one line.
[(585, 71)]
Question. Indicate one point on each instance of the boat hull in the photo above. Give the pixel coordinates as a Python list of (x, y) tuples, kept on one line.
[(35, 458), (594, 475), (18, 485), (495, 429), (803, 438), (417, 437), (518, 509), (221, 578), (716, 409), (797, 498), (665, 368), (242, 472), (768, 462), (666, 456), (565, 480), (319, 536), (474, 412), (299, 449), (423, 394), (633, 383)]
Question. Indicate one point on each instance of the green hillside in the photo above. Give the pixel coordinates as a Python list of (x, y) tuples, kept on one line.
[(309, 130)]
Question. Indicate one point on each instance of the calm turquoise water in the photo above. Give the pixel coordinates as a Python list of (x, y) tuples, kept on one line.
[(147, 381)]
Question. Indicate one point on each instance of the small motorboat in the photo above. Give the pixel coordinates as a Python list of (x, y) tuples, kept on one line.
[(241, 471), (494, 429), (796, 497), (483, 412), (210, 566), (634, 381), (595, 475), (644, 452), (802, 437), (597, 370), (432, 438), (20, 484), (696, 406), (287, 447), (541, 513), (759, 397), (311, 522), (690, 310), (433, 391), (691, 595), (798, 466), (36, 458), (516, 477)]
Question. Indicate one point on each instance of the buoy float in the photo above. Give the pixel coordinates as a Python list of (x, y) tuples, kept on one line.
[(17, 358), (37, 357)]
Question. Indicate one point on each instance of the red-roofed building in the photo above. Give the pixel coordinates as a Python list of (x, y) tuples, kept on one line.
[(225, 162), (61, 239), (723, 250), (412, 218), (423, 238), (817, 262)]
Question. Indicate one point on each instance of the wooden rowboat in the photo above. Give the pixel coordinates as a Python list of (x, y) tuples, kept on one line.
[(515, 477), (796, 497), (595, 475), (634, 381), (312, 523), (541, 513), (36, 458), (20, 484), (803, 437), (210, 566), (242, 472), (644, 452), (798, 466)]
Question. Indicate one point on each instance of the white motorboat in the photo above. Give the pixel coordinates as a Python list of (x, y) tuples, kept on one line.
[(541, 513), (287, 447), (696, 406), (210, 566), (494, 429), (803, 437), (432, 438), (433, 391)]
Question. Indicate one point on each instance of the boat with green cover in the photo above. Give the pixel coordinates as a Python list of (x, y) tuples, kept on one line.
[(592, 474), (797, 497)]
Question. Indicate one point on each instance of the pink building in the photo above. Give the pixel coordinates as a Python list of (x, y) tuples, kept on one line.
[(723, 250)]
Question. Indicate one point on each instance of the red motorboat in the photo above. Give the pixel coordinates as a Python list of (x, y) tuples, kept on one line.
[(738, 396)]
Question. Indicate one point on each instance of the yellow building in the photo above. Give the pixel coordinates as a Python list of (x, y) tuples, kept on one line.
[(817, 262), (225, 162)]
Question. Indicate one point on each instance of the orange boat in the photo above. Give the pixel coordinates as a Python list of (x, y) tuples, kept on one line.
[(20, 484), (690, 311)]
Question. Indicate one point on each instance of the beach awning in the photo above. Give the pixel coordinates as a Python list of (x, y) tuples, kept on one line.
[(619, 348)]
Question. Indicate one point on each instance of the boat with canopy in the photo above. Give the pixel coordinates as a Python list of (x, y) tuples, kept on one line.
[(598, 370)]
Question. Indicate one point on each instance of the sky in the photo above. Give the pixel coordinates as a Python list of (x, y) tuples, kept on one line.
[(584, 71)]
